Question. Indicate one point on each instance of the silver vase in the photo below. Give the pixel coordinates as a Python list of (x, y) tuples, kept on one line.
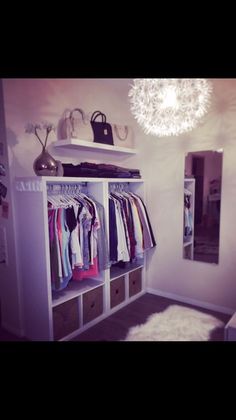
[(45, 165)]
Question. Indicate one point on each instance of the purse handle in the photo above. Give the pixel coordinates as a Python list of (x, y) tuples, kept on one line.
[(97, 114), (77, 110)]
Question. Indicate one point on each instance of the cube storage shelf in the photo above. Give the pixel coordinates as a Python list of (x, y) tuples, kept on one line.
[(65, 314)]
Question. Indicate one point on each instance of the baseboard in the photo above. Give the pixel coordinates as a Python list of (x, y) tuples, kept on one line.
[(190, 301), (13, 330)]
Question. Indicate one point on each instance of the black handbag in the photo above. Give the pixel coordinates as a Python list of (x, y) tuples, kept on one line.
[(102, 131)]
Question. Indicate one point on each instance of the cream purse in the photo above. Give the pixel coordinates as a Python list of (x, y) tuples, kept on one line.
[(75, 125), (122, 135), (80, 125)]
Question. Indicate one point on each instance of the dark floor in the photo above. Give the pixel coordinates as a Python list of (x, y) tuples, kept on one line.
[(7, 336), (116, 326)]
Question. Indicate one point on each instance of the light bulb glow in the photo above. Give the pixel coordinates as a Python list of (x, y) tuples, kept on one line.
[(169, 98), (165, 107)]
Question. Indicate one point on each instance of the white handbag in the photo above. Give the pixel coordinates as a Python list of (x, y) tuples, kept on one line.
[(64, 126), (123, 135), (80, 125), (75, 125)]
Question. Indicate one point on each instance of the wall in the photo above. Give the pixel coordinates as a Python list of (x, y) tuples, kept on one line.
[(34, 100), (11, 313), (168, 272), (161, 161)]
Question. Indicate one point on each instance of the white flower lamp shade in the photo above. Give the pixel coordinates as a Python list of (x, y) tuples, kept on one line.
[(166, 107)]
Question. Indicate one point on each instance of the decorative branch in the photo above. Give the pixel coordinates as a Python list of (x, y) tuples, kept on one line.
[(35, 132), (32, 128)]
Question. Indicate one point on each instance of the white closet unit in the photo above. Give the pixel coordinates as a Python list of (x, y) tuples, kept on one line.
[(62, 315), (188, 240)]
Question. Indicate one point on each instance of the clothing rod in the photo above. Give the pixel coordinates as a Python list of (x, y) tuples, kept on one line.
[(82, 184), (118, 184)]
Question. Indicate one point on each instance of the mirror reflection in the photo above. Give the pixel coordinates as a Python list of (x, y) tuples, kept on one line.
[(202, 198)]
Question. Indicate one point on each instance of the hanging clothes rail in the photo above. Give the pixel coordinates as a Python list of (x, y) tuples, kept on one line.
[(66, 188), (119, 186), (64, 195)]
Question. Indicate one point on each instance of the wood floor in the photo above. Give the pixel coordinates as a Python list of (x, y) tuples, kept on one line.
[(115, 327)]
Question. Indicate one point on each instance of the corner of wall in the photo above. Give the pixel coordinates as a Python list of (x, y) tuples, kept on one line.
[(10, 290)]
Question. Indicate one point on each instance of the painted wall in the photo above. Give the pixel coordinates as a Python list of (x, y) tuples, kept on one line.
[(168, 272), (161, 161), (11, 314), (34, 100)]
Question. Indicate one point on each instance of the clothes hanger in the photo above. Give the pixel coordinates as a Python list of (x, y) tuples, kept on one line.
[(187, 192)]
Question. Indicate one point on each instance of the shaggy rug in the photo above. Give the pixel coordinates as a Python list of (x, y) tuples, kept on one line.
[(176, 323)]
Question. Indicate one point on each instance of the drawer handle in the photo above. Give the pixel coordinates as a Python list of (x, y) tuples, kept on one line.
[(134, 281), (117, 291), (92, 305)]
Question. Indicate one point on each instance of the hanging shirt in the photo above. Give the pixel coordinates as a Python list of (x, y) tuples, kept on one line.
[(122, 249), (113, 237), (76, 256), (102, 244), (147, 238), (137, 229), (148, 220)]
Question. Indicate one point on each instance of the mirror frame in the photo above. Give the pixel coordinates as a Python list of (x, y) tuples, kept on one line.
[(202, 204)]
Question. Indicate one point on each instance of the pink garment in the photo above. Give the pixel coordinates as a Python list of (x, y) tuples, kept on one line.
[(79, 274)]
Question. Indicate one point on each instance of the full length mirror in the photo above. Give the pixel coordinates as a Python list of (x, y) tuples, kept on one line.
[(202, 199)]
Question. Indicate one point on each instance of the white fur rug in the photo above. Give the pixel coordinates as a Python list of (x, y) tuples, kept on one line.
[(176, 323)]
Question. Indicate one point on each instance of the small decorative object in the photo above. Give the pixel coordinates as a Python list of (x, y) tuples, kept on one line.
[(169, 107), (44, 164), (102, 131)]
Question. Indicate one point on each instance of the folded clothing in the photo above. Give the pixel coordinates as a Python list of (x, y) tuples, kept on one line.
[(99, 171), (107, 167)]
